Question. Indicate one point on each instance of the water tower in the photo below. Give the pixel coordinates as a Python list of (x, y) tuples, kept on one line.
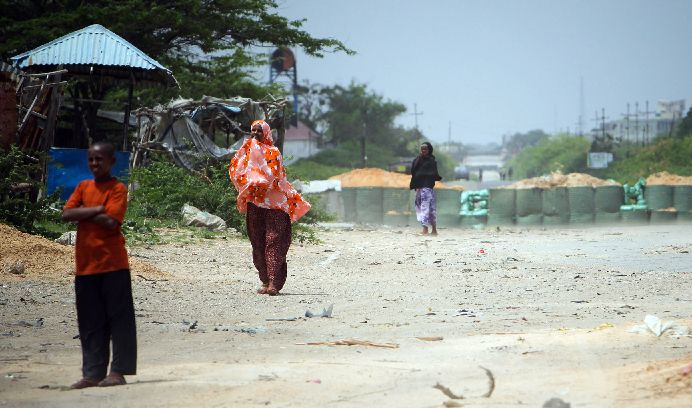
[(283, 62)]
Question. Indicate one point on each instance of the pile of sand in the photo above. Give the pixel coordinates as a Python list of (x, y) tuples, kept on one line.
[(44, 259), (558, 179), (373, 177), (667, 179)]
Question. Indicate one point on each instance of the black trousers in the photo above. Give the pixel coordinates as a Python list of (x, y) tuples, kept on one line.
[(105, 312)]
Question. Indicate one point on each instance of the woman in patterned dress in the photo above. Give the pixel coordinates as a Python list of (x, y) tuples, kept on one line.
[(270, 203)]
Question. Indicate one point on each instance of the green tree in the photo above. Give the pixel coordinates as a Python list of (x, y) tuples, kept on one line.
[(563, 153), (685, 127), (520, 141)]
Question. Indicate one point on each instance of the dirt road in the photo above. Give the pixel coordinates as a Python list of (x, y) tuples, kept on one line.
[(546, 312)]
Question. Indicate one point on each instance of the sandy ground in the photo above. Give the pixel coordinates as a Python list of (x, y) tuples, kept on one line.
[(546, 312)]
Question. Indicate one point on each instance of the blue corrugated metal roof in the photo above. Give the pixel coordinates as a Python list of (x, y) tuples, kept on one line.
[(92, 45)]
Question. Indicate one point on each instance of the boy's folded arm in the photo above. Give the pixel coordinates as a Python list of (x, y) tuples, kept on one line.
[(81, 213), (105, 220)]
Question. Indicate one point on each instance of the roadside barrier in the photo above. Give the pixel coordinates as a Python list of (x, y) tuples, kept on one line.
[(607, 202), (369, 205), (581, 206), (529, 206), (658, 196), (555, 206), (501, 206)]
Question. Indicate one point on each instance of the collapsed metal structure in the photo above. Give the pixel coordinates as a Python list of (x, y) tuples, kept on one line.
[(191, 131)]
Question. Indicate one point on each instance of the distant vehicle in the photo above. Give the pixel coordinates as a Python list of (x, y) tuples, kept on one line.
[(461, 172), (401, 166)]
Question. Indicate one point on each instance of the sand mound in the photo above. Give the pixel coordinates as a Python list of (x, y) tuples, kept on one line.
[(373, 177), (667, 179), (558, 179), (44, 259)]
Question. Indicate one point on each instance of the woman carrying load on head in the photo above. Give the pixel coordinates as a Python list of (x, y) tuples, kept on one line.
[(270, 203), (423, 177)]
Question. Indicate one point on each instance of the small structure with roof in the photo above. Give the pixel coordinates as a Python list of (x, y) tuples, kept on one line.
[(300, 142)]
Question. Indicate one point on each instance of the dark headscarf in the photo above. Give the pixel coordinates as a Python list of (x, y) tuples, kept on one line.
[(430, 148)]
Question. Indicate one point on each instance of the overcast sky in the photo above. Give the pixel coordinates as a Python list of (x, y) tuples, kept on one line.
[(496, 67)]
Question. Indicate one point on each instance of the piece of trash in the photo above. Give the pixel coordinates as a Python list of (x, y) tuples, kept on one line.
[(316, 381), (193, 216), (67, 238), (431, 338), (482, 251), (604, 326), (687, 369), (653, 324), (281, 319), (350, 342), (556, 403), (465, 313), (580, 301), (15, 268), (325, 312), (253, 330), (452, 404), (447, 392)]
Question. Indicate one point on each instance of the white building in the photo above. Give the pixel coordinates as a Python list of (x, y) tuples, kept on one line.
[(300, 142)]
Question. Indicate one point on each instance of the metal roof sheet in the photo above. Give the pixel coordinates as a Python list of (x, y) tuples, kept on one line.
[(92, 45)]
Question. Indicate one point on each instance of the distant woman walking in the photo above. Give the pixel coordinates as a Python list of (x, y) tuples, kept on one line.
[(423, 177), (270, 203)]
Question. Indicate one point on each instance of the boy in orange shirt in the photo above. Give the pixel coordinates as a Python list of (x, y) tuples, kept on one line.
[(105, 310)]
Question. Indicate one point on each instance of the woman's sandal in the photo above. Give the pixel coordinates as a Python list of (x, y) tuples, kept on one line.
[(84, 383)]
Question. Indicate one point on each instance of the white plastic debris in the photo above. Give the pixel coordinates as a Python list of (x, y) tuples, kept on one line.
[(195, 217), (67, 238), (653, 324)]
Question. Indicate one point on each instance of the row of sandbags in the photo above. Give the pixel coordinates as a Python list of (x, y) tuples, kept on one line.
[(586, 204), (524, 206)]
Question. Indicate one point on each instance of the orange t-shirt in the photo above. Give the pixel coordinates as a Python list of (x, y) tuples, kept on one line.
[(98, 248)]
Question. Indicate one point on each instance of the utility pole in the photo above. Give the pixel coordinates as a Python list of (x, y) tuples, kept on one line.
[(636, 122), (449, 134), (647, 125), (580, 125), (416, 114)]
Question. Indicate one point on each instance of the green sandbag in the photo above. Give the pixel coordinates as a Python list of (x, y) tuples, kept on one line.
[(634, 216), (369, 205), (448, 201), (658, 196), (555, 206), (682, 198), (608, 199), (396, 199), (531, 219), (348, 196), (580, 204), (501, 203), (528, 201), (607, 218), (663, 217)]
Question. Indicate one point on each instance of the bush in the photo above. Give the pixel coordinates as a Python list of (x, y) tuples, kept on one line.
[(563, 153), (162, 188), (666, 154), (19, 189)]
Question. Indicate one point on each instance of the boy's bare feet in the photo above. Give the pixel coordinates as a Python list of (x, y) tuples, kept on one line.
[(113, 379), (84, 383)]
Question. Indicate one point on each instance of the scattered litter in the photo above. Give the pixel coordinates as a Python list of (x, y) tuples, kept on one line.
[(67, 238), (580, 301), (327, 312), (604, 326), (653, 324), (253, 330), (466, 313), (189, 326), (431, 338), (556, 403), (281, 319), (315, 381), (447, 392), (193, 216), (482, 251), (452, 404), (350, 342)]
